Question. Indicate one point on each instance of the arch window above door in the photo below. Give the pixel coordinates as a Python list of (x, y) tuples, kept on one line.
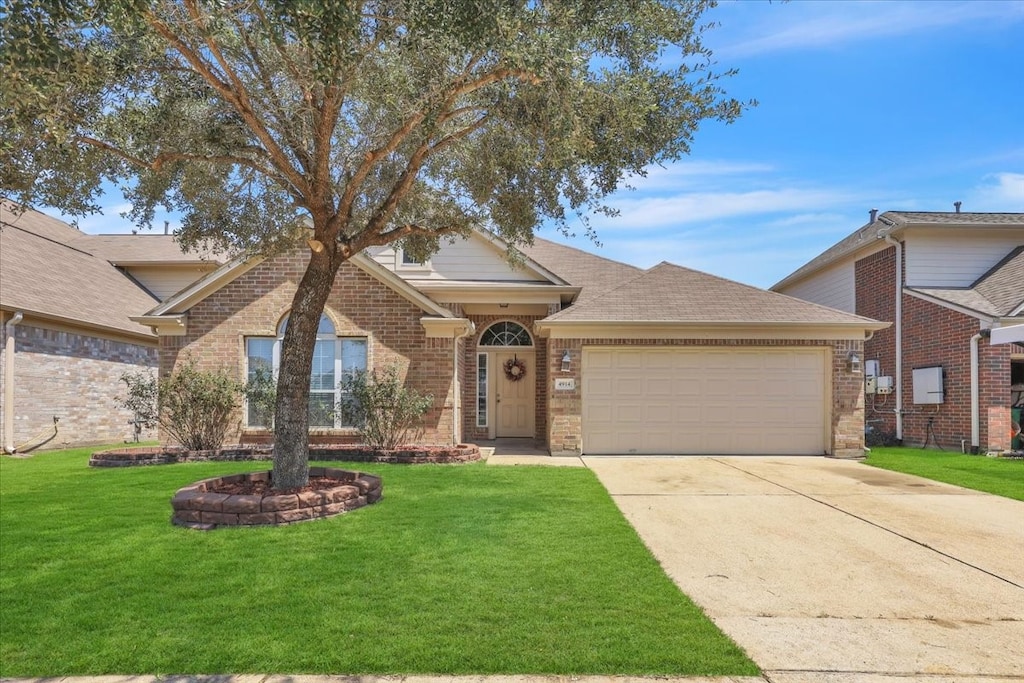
[(506, 333)]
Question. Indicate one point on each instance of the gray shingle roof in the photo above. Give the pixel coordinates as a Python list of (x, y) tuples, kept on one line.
[(671, 293), (892, 221), (999, 292), (37, 253), (595, 274), (147, 249)]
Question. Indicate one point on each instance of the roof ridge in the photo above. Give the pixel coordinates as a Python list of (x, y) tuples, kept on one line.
[(7, 224)]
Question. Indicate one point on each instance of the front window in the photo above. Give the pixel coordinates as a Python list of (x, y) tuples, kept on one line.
[(506, 333), (334, 358)]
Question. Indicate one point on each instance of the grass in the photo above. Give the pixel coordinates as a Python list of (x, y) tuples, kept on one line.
[(1001, 476), (458, 570)]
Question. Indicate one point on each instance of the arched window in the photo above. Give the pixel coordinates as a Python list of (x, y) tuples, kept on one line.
[(506, 333), (333, 359)]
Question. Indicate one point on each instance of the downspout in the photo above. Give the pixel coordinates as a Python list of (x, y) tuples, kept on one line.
[(899, 336), (456, 389), (975, 400), (9, 382)]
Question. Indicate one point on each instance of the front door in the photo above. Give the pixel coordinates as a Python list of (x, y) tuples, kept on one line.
[(514, 398)]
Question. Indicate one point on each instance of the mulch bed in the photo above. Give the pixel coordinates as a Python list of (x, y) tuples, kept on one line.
[(263, 488)]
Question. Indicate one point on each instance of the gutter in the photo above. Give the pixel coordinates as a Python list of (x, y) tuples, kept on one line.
[(899, 335), (9, 382), (975, 400), (456, 388)]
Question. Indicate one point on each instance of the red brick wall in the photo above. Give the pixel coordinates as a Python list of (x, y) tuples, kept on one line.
[(565, 423), (933, 335), (358, 304)]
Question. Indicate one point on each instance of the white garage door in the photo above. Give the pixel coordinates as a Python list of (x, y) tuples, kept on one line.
[(702, 400)]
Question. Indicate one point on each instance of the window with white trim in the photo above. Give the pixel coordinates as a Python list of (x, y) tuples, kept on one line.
[(405, 261), (481, 390), (334, 359)]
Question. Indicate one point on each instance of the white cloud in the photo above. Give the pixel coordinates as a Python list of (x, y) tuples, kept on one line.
[(672, 176), (1001, 192), (827, 24), (655, 213)]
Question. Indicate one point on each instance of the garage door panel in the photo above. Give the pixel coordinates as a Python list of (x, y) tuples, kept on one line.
[(707, 401)]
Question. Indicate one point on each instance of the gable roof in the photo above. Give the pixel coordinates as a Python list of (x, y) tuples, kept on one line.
[(998, 293), (891, 223), (595, 274), (673, 294), (212, 282), (36, 255)]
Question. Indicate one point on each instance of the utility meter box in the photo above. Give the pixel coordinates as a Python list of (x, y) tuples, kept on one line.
[(870, 384), (872, 368), (884, 385), (928, 385)]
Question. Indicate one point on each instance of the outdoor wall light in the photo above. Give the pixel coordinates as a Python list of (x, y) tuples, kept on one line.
[(854, 361), (566, 361)]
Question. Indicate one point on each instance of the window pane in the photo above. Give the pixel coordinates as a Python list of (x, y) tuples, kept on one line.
[(353, 355), (322, 374), (321, 409), (481, 390), (506, 333), (259, 357), (324, 327)]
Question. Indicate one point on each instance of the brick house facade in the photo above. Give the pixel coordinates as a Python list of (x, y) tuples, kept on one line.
[(466, 334), (960, 275)]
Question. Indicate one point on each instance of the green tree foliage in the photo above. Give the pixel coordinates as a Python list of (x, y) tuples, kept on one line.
[(193, 406), (387, 413), (269, 122)]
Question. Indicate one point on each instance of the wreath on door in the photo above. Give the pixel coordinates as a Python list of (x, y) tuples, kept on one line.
[(515, 369)]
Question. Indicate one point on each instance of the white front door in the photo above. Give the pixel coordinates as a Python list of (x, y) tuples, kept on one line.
[(514, 399)]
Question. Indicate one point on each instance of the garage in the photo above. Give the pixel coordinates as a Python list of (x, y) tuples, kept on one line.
[(705, 400)]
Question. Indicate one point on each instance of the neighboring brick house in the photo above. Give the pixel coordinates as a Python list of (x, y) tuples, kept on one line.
[(561, 347), (66, 337), (959, 275)]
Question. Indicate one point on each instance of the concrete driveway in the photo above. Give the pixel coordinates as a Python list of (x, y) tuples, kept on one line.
[(831, 570)]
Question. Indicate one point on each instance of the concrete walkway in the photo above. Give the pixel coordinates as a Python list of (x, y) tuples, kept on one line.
[(832, 571)]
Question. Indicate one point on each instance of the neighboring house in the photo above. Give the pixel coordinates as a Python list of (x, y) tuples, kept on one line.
[(959, 275), (571, 350), (66, 334)]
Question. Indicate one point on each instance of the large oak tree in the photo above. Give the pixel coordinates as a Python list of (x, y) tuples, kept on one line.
[(367, 122)]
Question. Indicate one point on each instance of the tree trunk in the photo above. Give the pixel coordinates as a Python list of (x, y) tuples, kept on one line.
[(291, 424)]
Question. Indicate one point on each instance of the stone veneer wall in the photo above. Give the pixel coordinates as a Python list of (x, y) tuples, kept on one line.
[(565, 408), (74, 376), (359, 305)]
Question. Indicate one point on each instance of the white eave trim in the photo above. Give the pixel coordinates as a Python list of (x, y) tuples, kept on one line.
[(165, 325), (655, 329), (190, 296), (1008, 335), (448, 327), (449, 291), (402, 287)]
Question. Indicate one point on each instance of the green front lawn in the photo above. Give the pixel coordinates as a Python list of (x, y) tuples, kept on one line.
[(458, 570), (1001, 476)]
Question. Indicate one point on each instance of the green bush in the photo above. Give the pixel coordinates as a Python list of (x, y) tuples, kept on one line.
[(261, 393), (193, 406), (386, 412)]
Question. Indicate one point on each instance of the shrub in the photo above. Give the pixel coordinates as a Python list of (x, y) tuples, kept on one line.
[(386, 412), (193, 406)]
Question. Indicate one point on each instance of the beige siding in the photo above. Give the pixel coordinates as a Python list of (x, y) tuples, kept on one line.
[(943, 258), (164, 281), (468, 259), (834, 286)]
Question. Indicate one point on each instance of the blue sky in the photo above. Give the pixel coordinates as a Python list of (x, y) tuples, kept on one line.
[(889, 105)]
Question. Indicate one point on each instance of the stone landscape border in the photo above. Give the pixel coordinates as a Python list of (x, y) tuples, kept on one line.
[(162, 455), (199, 506)]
